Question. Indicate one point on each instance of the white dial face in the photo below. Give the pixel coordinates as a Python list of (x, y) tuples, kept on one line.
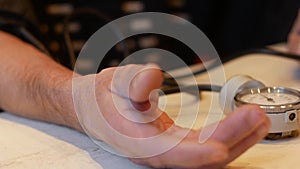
[(270, 98)]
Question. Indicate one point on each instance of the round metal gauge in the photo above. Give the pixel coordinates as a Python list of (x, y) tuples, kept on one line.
[(281, 104), (272, 99)]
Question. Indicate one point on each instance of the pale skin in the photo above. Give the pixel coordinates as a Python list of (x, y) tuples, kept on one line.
[(293, 43), (34, 86)]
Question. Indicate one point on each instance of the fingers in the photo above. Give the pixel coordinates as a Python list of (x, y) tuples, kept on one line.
[(294, 43), (243, 145), (294, 37), (146, 80), (248, 142), (237, 150), (137, 83), (188, 154), (242, 123), (234, 135), (238, 132)]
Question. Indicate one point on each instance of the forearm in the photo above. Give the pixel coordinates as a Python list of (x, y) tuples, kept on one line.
[(33, 85)]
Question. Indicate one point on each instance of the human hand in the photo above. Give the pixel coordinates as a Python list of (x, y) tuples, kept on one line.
[(126, 117), (294, 37)]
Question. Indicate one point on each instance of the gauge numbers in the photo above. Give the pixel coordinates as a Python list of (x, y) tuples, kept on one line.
[(270, 96)]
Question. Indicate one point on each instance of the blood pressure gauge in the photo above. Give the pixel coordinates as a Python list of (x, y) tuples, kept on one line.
[(281, 104)]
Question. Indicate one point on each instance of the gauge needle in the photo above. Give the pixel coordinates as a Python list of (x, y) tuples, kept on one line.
[(268, 98)]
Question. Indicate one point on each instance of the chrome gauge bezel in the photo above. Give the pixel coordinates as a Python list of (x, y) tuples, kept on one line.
[(275, 108)]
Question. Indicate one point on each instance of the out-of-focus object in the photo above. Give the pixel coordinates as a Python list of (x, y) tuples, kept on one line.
[(281, 104), (294, 37)]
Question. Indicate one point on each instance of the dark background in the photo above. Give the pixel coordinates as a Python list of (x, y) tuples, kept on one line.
[(231, 25)]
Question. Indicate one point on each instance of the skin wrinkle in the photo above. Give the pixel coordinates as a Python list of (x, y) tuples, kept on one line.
[(235, 151), (59, 81), (246, 122), (43, 87), (162, 160), (249, 121), (117, 117)]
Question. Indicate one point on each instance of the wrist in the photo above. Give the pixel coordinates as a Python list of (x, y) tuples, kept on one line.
[(61, 99)]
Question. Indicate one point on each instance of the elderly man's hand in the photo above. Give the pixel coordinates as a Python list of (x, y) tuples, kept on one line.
[(119, 106)]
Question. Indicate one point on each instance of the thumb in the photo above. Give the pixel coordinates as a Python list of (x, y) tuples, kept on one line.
[(137, 83), (143, 85), (144, 82)]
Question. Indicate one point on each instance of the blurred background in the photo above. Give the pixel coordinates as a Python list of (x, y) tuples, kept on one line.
[(231, 25)]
